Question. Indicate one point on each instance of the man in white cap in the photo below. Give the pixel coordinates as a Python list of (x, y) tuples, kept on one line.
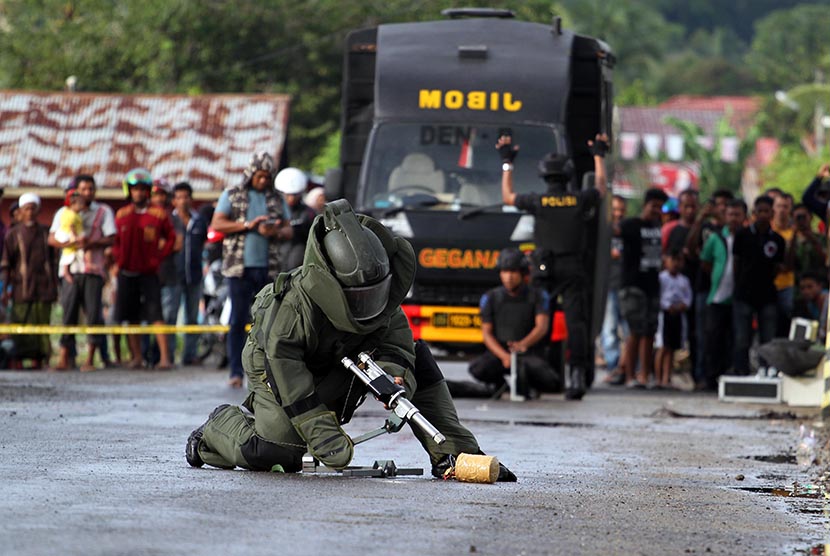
[(291, 183), (28, 266)]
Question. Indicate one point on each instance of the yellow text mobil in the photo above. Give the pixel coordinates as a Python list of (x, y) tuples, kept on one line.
[(429, 257), (436, 99)]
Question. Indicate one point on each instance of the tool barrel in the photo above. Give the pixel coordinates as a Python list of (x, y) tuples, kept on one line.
[(422, 423)]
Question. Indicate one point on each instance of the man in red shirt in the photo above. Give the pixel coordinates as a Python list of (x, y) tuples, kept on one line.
[(144, 237)]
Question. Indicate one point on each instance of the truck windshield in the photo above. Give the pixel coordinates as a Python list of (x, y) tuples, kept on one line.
[(450, 166)]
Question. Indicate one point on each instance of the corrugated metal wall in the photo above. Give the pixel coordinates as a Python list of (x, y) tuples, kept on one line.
[(46, 138)]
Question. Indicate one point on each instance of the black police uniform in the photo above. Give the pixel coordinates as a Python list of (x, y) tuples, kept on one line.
[(561, 236), (513, 317)]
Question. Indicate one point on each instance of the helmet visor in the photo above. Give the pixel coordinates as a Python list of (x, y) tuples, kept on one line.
[(367, 302)]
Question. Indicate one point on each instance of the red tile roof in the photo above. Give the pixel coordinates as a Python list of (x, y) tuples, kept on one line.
[(46, 138), (718, 104), (704, 111)]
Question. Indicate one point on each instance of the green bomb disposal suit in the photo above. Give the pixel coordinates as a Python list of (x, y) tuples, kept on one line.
[(302, 328)]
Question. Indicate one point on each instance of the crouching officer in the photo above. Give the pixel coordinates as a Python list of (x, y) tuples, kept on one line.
[(343, 300), (561, 237), (515, 317)]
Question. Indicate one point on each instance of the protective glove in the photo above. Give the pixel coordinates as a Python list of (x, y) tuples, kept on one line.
[(326, 440), (508, 152), (598, 147)]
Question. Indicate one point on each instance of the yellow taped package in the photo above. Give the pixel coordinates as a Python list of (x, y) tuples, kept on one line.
[(473, 468)]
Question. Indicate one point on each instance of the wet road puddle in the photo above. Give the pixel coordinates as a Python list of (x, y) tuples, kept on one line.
[(777, 458), (26, 392), (796, 491), (520, 423), (771, 415)]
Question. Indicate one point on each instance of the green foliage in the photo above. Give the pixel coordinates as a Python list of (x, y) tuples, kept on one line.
[(793, 169), (663, 47), (778, 121), (635, 94), (790, 45), (691, 74), (638, 37), (329, 156), (738, 15), (714, 172)]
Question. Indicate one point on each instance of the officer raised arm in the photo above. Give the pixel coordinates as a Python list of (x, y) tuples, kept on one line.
[(561, 235), (508, 152)]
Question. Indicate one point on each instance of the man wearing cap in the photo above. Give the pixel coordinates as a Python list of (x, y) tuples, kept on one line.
[(291, 183), (145, 237), (561, 236), (254, 220), (28, 267), (515, 317), (343, 300), (82, 289)]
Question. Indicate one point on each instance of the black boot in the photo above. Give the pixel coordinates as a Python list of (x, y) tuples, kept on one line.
[(505, 475), (440, 467), (576, 388), (191, 449)]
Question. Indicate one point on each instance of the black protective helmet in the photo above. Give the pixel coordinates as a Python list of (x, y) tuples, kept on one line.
[(358, 260), (512, 259), (557, 168)]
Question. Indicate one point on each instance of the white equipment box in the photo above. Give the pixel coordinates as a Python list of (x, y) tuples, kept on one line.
[(751, 389), (805, 390)]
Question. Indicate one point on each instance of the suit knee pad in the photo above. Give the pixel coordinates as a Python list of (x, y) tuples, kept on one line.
[(262, 455)]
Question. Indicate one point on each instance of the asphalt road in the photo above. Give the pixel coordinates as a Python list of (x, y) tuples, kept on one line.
[(93, 464)]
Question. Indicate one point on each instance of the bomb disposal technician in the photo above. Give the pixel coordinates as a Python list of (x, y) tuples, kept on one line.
[(343, 300), (561, 236)]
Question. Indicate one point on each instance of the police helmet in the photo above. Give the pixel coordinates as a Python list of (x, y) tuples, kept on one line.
[(291, 181), (136, 176), (557, 168), (512, 259), (358, 260)]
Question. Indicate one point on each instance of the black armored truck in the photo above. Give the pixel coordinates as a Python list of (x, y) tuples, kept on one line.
[(423, 105)]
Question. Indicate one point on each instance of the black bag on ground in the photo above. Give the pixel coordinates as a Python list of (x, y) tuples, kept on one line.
[(791, 357)]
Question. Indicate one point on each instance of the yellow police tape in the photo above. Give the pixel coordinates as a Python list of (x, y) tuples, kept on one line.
[(114, 329)]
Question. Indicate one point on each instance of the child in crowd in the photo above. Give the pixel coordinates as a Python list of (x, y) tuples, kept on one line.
[(71, 228), (675, 299)]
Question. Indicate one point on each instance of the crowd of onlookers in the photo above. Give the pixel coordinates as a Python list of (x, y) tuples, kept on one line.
[(711, 277), (145, 263), (714, 277)]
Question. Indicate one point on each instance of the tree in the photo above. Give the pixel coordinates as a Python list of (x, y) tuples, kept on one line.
[(714, 172), (790, 45), (793, 169), (691, 74), (329, 156), (739, 15), (638, 36)]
